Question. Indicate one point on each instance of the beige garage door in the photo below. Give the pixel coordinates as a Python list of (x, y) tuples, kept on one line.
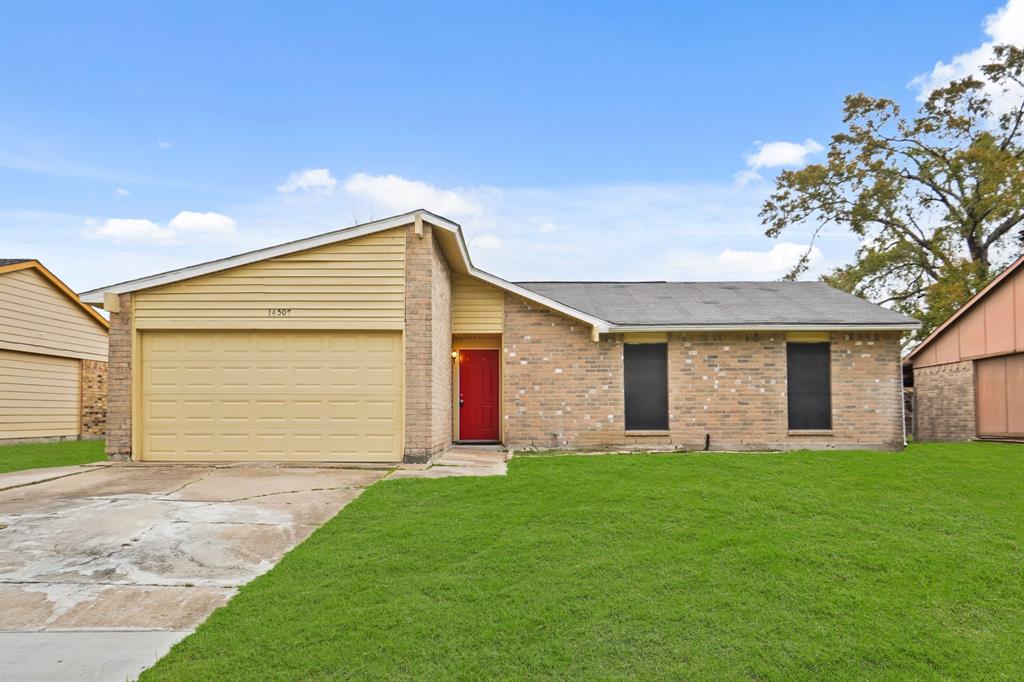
[(272, 396), (38, 395)]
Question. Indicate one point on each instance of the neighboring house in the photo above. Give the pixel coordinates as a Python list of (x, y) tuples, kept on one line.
[(53, 358), (969, 372), (383, 342)]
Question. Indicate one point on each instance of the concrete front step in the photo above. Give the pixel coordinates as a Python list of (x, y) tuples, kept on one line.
[(459, 460)]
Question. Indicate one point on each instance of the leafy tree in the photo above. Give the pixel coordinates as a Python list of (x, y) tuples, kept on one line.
[(937, 201)]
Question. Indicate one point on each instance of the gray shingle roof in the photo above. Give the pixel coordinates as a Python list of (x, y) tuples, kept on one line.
[(717, 303), (12, 261)]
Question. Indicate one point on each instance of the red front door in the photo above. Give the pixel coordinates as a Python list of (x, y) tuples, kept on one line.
[(478, 395)]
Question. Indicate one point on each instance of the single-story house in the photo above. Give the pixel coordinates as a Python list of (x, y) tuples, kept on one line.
[(969, 372), (383, 342), (53, 358)]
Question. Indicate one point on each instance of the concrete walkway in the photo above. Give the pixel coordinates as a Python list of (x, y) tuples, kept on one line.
[(82, 656), (103, 569)]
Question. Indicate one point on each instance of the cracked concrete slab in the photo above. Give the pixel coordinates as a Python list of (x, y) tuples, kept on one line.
[(459, 460), (32, 607), (224, 485), (441, 471), (148, 548), (16, 479)]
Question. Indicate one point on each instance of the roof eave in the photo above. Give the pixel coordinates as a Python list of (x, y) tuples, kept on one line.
[(962, 310), (95, 296), (626, 328), (59, 284)]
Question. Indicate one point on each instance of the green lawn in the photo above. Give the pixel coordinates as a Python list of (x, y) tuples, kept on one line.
[(39, 455), (811, 565)]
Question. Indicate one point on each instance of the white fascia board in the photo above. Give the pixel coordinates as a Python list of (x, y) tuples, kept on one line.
[(617, 329), (95, 296), (494, 280), (602, 325)]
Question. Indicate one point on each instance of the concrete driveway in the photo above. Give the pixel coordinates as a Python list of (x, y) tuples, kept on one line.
[(105, 568)]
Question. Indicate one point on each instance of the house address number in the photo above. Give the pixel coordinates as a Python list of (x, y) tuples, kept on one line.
[(279, 312)]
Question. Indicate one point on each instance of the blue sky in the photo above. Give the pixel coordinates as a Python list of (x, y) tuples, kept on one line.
[(583, 141)]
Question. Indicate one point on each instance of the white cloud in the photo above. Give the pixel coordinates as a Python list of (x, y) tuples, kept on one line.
[(571, 232), (121, 192), (164, 144), (185, 224), (735, 264), (130, 230), (776, 154), (193, 221), (772, 154), (397, 195), (1005, 26), (486, 241), (314, 180), (745, 177)]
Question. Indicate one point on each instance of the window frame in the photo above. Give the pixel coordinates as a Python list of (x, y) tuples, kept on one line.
[(828, 424), (657, 423)]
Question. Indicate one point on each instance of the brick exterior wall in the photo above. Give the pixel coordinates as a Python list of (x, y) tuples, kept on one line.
[(560, 389), (733, 387), (563, 390), (119, 378), (441, 350), (944, 402), (428, 339), (94, 399)]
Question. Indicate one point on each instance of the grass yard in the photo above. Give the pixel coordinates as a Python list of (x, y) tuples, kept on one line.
[(811, 565), (40, 455)]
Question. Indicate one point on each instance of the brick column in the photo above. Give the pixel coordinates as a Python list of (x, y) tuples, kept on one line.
[(119, 379), (428, 342), (94, 399)]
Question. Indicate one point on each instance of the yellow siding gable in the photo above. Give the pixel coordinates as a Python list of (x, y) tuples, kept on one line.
[(477, 308), (36, 317), (356, 284)]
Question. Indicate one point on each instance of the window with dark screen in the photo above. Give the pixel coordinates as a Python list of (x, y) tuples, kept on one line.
[(808, 375), (645, 369)]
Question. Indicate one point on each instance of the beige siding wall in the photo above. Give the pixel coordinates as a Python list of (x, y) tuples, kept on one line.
[(477, 308), (40, 396), (358, 284), (35, 317)]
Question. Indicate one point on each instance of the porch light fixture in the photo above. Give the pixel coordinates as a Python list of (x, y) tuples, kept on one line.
[(455, 355)]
